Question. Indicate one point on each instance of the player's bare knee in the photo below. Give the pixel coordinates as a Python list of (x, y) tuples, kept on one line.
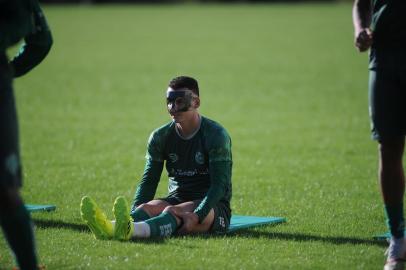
[(147, 208), (171, 209), (391, 152), (393, 145), (208, 220)]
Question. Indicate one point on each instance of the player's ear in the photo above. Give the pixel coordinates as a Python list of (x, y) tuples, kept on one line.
[(196, 102)]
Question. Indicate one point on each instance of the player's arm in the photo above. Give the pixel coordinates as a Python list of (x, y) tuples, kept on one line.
[(15, 22), (361, 17), (36, 44), (146, 189), (220, 167), (221, 171)]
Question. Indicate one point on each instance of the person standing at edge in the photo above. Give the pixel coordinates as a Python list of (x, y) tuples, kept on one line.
[(19, 19), (381, 26)]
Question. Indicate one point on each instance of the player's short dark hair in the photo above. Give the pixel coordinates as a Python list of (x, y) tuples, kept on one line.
[(184, 82)]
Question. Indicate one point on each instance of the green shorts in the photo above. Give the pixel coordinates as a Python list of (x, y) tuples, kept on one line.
[(387, 97), (222, 214), (10, 166)]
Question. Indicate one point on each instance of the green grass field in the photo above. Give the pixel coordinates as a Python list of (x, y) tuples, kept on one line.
[(286, 82)]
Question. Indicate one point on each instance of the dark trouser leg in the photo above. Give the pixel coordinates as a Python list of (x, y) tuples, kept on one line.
[(17, 227), (14, 218)]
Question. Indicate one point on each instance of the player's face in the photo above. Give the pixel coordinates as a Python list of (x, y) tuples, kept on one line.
[(179, 102)]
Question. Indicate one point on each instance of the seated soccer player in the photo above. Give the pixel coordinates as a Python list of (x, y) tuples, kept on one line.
[(197, 154)]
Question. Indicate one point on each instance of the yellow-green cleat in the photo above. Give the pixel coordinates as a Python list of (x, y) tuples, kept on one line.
[(123, 229), (95, 219)]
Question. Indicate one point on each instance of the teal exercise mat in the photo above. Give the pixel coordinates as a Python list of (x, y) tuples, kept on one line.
[(40, 207), (239, 222), (384, 236)]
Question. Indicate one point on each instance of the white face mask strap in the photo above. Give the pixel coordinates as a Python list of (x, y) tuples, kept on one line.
[(187, 90)]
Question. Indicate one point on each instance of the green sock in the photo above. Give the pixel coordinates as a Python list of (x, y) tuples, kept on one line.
[(18, 231), (139, 215), (163, 225), (395, 220)]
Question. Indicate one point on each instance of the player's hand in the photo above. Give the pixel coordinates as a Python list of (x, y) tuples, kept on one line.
[(190, 222), (363, 39)]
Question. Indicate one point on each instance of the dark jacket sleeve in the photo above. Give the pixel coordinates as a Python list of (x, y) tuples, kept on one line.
[(220, 175), (220, 170), (36, 45), (147, 187), (15, 22)]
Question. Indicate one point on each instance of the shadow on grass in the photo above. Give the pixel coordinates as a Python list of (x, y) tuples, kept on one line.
[(82, 228), (299, 237), (244, 233), (59, 224)]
